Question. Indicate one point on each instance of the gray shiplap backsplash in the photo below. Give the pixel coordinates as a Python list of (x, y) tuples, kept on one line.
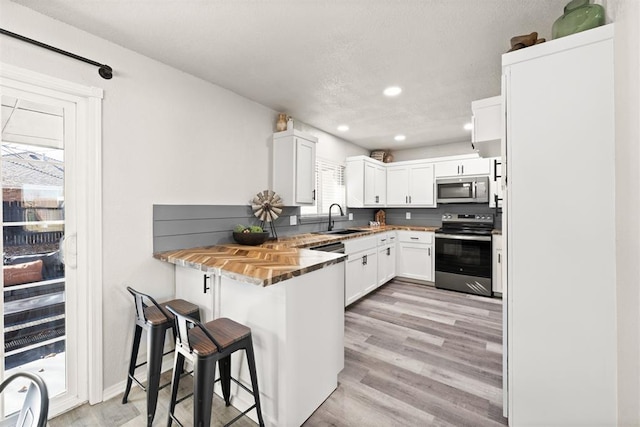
[(188, 226)]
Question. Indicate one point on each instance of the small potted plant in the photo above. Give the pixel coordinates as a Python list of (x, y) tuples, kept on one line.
[(251, 235)]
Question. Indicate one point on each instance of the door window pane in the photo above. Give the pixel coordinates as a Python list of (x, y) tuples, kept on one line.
[(33, 228)]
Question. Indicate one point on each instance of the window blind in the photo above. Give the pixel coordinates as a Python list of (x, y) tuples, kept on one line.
[(330, 187)]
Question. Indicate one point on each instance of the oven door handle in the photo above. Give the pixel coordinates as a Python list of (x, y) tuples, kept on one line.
[(463, 237)]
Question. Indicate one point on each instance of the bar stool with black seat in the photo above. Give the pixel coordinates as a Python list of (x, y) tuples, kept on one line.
[(204, 345), (154, 318)]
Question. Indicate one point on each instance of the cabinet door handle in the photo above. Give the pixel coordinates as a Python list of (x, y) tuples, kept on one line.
[(499, 261), (462, 169), (388, 251), (406, 199), (377, 199), (429, 251), (205, 287), (415, 238), (364, 260), (458, 169), (409, 199), (313, 195)]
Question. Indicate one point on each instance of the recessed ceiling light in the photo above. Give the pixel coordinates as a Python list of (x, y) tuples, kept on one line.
[(400, 137), (392, 91), (468, 126), (343, 128)]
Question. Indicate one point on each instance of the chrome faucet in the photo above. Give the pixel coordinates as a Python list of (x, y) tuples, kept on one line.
[(330, 221)]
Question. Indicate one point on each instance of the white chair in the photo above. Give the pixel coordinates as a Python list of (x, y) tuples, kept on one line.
[(35, 408)]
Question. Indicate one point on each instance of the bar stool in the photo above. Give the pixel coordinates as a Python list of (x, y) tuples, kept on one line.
[(204, 345), (154, 319)]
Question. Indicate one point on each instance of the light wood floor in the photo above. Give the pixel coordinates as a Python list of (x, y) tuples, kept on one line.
[(414, 356)]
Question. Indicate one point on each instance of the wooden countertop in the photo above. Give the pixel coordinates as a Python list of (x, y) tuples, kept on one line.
[(273, 261)]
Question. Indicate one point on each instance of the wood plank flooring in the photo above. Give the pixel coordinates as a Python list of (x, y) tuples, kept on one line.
[(419, 356), (414, 356)]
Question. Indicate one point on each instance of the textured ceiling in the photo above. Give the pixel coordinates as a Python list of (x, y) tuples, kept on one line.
[(326, 62)]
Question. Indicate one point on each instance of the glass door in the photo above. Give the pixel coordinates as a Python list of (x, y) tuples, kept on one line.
[(40, 318)]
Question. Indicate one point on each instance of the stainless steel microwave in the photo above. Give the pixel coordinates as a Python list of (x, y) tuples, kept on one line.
[(467, 189)]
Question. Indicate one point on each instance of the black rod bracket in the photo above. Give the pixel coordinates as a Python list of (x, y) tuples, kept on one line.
[(105, 71)]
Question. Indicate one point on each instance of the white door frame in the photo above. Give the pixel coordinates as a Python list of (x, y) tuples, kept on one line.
[(89, 130)]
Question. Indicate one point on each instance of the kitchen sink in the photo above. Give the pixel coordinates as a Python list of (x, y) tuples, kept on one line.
[(339, 232)]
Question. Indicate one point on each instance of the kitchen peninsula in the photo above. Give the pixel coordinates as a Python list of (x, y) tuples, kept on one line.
[(293, 301)]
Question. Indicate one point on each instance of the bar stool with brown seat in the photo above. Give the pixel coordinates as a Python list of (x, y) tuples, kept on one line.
[(156, 320), (204, 345)]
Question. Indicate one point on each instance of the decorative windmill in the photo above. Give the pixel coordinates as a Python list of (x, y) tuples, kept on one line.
[(267, 207)]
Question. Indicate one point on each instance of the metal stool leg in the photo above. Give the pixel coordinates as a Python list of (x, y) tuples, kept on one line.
[(178, 367), (203, 376), (137, 333), (224, 365), (254, 378), (155, 347)]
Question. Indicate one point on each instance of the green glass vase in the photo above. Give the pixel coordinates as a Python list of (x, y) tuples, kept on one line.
[(578, 16)]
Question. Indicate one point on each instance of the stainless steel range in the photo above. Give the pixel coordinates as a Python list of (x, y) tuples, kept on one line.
[(463, 253)]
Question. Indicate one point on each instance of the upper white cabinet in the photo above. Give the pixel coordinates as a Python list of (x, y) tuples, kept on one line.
[(487, 123), (410, 185), (294, 162), (466, 167), (366, 181)]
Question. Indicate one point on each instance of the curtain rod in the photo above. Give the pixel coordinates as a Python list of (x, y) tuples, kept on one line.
[(105, 71)]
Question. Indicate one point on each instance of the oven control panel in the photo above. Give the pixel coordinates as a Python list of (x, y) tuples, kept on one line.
[(467, 218)]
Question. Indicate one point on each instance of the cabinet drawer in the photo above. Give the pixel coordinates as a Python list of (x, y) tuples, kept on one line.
[(415, 236), (383, 239), (360, 244)]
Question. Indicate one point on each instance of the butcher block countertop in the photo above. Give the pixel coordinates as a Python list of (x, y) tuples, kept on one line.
[(273, 261)]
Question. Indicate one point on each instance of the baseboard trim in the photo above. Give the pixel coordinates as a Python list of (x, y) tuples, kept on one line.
[(141, 374)]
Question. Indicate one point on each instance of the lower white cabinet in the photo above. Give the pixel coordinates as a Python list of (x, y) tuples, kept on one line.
[(386, 257), (195, 285), (415, 255), (361, 269), (496, 274)]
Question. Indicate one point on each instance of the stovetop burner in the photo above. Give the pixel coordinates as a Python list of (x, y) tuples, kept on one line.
[(466, 224)]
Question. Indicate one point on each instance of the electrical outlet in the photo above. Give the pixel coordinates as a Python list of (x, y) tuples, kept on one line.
[(293, 220), (408, 215), (350, 217)]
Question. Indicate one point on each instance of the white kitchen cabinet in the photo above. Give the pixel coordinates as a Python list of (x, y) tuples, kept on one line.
[(495, 182), (496, 273), (361, 269), (415, 255), (410, 185), (466, 167), (561, 279), (386, 257), (486, 120), (366, 181), (197, 287), (294, 162), (375, 184)]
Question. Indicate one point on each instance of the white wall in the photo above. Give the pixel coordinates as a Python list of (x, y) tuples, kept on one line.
[(168, 138), (330, 147), (626, 15), (452, 149)]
